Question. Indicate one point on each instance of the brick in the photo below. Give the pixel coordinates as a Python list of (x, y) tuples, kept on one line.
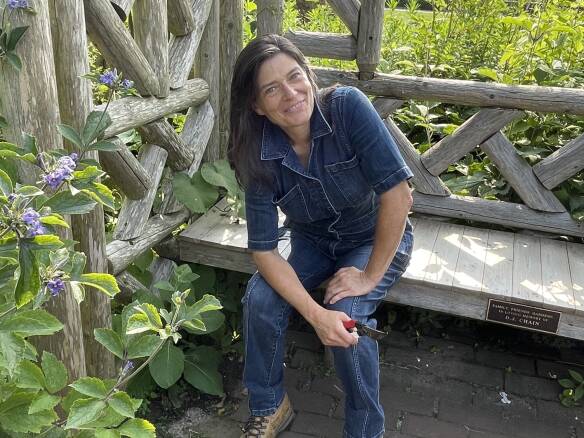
[(536, 387), (486, 434), (447, 349), (297, 379), (327, 385), (488, 418), (551, 370), (288, 434), (428, 427), (304, 340), (553, 412), (470, 373), (305, 359), (505, 360), (318, 425), (394, 434), (418, 403), (317, 403), (539, 429)]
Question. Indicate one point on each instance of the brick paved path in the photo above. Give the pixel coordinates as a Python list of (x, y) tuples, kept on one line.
[(439, 389)]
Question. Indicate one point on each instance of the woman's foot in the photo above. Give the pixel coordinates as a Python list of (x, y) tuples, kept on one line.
[(269, 426)]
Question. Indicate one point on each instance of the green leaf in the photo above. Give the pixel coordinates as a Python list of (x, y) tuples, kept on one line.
[(84, 411), (14, 414), (152, 313), (30, 376), (488, 73), (14, 60), (219, 173), (579, 392), (31, 323), (203, 375), (138, 323), (167, 366), (29, 191), (14, 37), (91, 386), (165, 285), (54, 219), (55, 372), (576, 376), (138, 428), (194, 193), (206, 304), (104, 146), (122, 404), (142, 346), (211, 320), (12, 348), (101, 193), (42, 402), (78, 291), (110, 340), (95, 125), (29, 281), (104, 282), (29, 144), (107, 433), (77, 265), (43, 241), (5, 183), (70, 134), (65, 203), (566, 383)]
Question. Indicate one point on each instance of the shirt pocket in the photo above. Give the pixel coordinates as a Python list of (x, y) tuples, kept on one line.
[(293, 204), (349, 180)]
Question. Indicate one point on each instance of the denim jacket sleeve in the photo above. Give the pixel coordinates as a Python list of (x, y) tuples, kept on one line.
[(262, 219), (379, 158)]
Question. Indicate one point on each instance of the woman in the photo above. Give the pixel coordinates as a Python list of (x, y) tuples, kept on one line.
[(326, 159)]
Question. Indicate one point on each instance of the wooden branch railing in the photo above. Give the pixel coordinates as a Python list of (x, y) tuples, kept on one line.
[(181, 19), (324, 45)]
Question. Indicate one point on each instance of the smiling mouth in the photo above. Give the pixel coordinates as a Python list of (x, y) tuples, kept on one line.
[(297, 106)]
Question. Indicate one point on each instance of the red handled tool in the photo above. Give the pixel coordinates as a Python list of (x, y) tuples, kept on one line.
[(363, 330)]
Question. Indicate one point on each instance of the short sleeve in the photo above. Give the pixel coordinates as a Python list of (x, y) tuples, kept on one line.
[(262, 219), (379, 157)]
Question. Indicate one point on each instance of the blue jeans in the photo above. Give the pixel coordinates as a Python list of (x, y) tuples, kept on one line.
[(266, 319)]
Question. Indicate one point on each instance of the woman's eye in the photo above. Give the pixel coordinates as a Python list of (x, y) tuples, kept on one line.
[(271, 90), (295, 75)]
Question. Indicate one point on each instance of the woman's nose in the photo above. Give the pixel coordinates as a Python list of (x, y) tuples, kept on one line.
[(288, 90)]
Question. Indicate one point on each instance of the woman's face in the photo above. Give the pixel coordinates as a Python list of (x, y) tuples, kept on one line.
[(285, 95)]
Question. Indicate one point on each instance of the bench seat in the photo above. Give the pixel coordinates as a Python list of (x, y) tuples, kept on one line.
[(454, 269)]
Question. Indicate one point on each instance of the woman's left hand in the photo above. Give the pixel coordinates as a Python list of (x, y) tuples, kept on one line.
[(348, 282)]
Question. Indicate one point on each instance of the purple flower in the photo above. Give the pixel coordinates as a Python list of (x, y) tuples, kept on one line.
[(12, 197), (67, 162), (30, 216), (17, 4), (109, 78), (74, 156), (127, 84), (55, 286), (35, 230), (56, 177), (128, 367)]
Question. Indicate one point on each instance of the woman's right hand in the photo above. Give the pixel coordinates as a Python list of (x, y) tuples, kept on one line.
[(330, 330)]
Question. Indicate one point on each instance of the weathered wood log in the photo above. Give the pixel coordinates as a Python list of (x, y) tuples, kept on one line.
[(123, 252), (129, 285), (209, 68), (161, 270), (269, 16), (131, 112), (135, 213), (348, 12), (562, 164), (196, 133), (151, 34), (169, 249), (181, 20), (423, 180), (75, 102), (125, 171), (324, 45), (497, 212), (122, 7), (385, 107), (519, 174), (231, 42), (529, 97), (161, 133), (467, 136), (369, 38), (117, 46), (183, 49)]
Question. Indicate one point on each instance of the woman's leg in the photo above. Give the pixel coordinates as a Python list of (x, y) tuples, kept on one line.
[(265, 321), (358, 366)]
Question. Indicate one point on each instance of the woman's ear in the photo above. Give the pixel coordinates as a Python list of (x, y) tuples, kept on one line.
[(257, 109)]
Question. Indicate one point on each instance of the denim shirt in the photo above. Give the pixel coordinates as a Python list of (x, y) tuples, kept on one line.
[(353, 159)]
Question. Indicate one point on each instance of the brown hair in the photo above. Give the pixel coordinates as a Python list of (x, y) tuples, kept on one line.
[(244, 147)]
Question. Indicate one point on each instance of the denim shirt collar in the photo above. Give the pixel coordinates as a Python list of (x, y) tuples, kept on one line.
[(275, 143)]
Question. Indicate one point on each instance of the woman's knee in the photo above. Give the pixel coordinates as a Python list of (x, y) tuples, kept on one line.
[(260, 296)]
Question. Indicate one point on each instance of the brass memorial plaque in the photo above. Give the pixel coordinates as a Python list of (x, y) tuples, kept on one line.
[(520, 315)]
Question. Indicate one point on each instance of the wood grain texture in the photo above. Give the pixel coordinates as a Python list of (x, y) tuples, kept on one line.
[(386, 106), (161, 133), (422, 180), (134, 214), (467, 136), (324, 45), (527, 282), (150, 20), (576, 264), (471, 93), (497, 212), (122, 8), (269, 16), (441, 267), (123, 252), (181, 20), (131, 112), (562, 164), (348, 12), (117, 46), (519, 175), (555, 275), (75, 103), (470, 265), (125, 171), (498, 275), (369, 38), (183, 49)]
